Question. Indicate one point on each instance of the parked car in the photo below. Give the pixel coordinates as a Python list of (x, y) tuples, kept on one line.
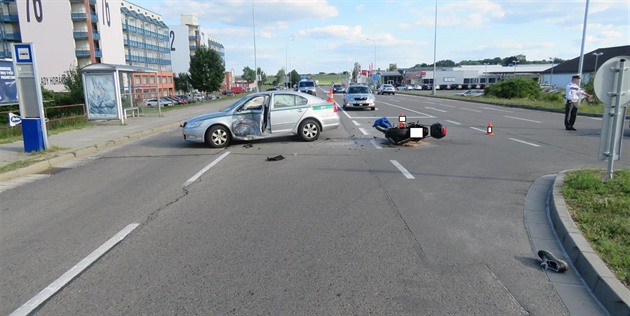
[(264, 115), (359, 97), (386, 89), (337, 88), (154, 102), (402, 87)]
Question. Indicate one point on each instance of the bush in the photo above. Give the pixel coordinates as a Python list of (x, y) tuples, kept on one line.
[(515, 88)]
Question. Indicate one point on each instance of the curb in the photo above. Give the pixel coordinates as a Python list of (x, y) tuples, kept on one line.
[(611, 293)]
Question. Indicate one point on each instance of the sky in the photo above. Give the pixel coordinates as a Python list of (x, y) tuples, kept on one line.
[(313, 36)]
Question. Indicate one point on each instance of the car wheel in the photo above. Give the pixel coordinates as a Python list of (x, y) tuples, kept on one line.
[(372, 108), (218, 137), (309, 130)]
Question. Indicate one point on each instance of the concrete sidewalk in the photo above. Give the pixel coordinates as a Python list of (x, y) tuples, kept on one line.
[(104, 134)]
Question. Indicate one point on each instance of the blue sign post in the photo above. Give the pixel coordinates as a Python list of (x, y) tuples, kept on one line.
[(34, 131)]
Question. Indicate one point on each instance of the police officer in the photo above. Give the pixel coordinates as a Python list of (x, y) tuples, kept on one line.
[(573, 94)]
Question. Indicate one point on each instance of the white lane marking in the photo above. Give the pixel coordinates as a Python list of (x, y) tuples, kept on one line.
[(410, 110), (356, 123), (344, 111), (430, 102), (206, 168), (402, 169), (453, 122), (434, 109), (376, 145), (493, 109), (522, 119), (389, 117), (471, 110), (524, 142), (363, 131), (448, 106), (594, 118), (478, 129), (58, 284)]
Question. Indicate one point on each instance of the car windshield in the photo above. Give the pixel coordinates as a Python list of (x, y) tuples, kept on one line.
[(358, 90), (236, 104), (307, 84)]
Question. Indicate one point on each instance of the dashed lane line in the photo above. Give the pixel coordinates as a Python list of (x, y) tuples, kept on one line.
[(206, 168), (58, 284), (524, 142), (402, 169), (522, 119)]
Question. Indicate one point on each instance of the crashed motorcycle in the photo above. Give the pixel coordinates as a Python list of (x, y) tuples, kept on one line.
[(408, 131)]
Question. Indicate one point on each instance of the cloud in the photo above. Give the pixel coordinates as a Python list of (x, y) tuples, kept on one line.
[(238, 13)]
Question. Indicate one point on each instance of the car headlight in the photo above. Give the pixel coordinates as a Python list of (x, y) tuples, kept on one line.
[(194, 124)]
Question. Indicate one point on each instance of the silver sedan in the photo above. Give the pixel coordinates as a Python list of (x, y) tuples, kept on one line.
[(359, 97), (264, 115)]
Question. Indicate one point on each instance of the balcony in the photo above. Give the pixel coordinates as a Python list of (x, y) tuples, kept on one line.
[(10, 18), (80, 35), (98, 53), (82, 53), (78, 16), (11, 37)]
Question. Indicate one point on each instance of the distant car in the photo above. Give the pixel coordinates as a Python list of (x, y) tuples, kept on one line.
[(386, 89), (154, 102), (307, 86), (337, 88), (264, 115), (402, 87), (416, 87), (359, 97)]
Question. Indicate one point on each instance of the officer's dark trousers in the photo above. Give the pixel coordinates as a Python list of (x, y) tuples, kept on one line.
[(570, 112)]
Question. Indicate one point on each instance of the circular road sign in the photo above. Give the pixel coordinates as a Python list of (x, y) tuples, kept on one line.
[(604, 83)]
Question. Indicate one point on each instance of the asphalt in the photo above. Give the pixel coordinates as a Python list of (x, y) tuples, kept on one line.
[(587, 288)]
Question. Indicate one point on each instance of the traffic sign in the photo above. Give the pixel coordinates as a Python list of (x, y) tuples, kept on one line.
[(14, 119), (605, 84)]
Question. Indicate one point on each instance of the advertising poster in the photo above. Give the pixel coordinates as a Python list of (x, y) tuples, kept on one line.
[(8, 88), (101, 96)]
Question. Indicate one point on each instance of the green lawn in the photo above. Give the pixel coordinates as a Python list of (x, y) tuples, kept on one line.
[(601, 209)]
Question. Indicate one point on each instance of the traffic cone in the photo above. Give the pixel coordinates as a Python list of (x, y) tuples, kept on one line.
[(401, 120), (330, 96), (489, 129)]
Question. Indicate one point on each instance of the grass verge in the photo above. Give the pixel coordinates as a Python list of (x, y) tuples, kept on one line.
[(601, 209)]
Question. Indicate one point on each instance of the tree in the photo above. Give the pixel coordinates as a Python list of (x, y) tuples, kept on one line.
[(73, 82), (206, 70), (445, 63), (182, 81), (295, 77), (279, 78), (392, 67), (249, 74)]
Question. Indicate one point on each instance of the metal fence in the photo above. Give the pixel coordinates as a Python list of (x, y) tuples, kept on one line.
[(56, 116)]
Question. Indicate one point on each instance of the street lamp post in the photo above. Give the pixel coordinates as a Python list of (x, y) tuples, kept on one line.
[(286, 62), (596, 57), (551, 79)]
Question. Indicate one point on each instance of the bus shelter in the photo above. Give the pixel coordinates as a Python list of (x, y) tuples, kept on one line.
[(108, 91)]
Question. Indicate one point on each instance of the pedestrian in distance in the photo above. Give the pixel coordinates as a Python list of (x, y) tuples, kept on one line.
[(573, 95)]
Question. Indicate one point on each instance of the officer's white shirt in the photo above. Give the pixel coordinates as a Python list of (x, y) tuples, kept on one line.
[(573, 92)]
